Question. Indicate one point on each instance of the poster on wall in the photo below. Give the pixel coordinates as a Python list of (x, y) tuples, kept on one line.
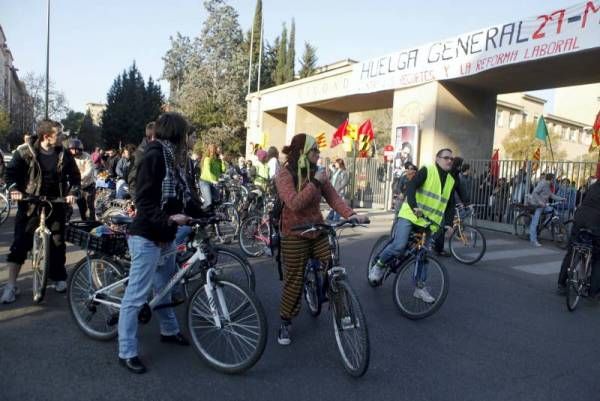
[(406, 145)]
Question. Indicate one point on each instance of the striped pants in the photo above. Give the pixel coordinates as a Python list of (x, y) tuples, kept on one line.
[(295, 252)]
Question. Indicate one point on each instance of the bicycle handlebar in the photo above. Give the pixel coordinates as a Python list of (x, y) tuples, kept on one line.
[(320, 226)]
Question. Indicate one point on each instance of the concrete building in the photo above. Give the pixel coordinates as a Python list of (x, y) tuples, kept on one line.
[(96, 110), (441, 94), (13, 94)]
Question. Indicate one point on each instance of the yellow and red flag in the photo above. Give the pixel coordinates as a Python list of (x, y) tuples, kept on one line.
[(321, 140), (365, 136), (537, 156), (352, 131)]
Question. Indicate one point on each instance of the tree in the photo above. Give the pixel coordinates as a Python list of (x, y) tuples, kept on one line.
[(269, 64), (89, 133), (281, 67), (72, 122), (254, 36), (213, 93), (308, 62), (4, 125), (290, 57), (520, 144), (177, 61), (130, 106), (57, 103)]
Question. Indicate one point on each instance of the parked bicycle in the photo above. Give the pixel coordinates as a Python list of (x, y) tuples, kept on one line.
[(257, 234), (226, 321), (579, 272), (415, 269), (550, 221), (5, 203), (467, 243), (321, 285)]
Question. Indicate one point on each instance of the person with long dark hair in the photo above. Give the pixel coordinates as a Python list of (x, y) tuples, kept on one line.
[(300, 187), (163, 195)]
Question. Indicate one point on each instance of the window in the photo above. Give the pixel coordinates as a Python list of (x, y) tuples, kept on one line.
[(535, 118), (565, 133), (499, 119), (512, 120), (573, 135)]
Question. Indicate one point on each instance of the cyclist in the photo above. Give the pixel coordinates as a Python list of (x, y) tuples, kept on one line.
[(162, 194), (587, 216), (427, 195), (540, 198), (300, 187), (212, 169), (84, 162), (43, 168)]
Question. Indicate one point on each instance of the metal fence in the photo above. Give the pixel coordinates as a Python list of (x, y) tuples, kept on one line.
[(494, 186)]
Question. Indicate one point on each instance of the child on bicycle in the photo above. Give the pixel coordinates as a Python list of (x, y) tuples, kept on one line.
[(300, 187)]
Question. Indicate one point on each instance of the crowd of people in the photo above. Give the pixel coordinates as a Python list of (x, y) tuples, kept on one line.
[(171, 183)]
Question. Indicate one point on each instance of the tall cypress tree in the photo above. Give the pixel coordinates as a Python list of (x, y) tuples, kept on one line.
[(281, 73), (308, 62), (291, 54)]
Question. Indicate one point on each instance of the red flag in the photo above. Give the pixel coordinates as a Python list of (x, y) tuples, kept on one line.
[(495, 164), (366, 128), (339, 134)]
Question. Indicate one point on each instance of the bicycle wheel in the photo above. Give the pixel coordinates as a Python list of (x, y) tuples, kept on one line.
[(467, 244), (350, 328), (560, 235), (521, 224), (228, 227), (232, 266), (311, 291), (375, 251), (251, 234), (4, 208), (39, 264), (239, 343), (96, 320), (575, 280), (429, 275)]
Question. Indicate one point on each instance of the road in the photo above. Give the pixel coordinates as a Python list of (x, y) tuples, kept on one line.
[(502, 334)]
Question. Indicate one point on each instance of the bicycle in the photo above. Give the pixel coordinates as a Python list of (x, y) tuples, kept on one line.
[(320, 286), (40, 251), (5, 203), (226, 322), (413, 270), (579, 272), (548, 220), (257, 234), (467, 243)]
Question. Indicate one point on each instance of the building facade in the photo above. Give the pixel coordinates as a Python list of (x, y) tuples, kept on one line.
[(14, 98)]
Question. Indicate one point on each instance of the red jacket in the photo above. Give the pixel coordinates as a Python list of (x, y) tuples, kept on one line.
[(304, 207)]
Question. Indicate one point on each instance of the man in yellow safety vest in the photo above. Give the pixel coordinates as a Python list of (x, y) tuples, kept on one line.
[(427, 196)]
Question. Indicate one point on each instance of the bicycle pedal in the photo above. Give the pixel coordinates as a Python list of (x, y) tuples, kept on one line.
[(346, 323)]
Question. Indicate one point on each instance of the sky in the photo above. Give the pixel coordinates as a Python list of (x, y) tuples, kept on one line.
[(91, 42)]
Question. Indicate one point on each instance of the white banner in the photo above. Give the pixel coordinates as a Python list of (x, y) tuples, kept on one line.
[(559, 32)]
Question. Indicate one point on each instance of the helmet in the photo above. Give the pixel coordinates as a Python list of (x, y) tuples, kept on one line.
[(75, 144)]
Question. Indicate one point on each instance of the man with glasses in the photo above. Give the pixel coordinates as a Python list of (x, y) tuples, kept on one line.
[(427, 195)]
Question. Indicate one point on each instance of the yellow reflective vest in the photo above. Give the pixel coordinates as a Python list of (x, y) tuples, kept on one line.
[(432, 199)]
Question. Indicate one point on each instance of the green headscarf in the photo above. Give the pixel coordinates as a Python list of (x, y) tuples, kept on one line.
[(303, 162)]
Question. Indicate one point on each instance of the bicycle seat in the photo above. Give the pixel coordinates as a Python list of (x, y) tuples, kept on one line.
[(120, 219)]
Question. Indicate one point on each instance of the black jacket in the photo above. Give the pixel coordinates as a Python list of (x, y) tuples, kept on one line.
[(134, 164), (25, 171), (588, 213), (152, 220)]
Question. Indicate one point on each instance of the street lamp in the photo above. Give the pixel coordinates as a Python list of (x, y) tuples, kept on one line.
[(47, 62)]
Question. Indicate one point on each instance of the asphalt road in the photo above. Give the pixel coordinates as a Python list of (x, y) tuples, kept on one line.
[(502, 334)]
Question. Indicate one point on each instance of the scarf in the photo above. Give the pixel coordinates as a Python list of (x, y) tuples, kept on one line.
[(303, 162), (169, 183)]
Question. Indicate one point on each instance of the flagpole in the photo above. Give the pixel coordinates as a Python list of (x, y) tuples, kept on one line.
[(353, 172), (550, 143)]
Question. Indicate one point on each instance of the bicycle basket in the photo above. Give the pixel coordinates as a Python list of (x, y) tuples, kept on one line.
[(78, 233)]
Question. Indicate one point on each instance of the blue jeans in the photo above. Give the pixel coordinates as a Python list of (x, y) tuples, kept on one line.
[(333, 215), (535, 220), (399, 240), (148, 270), (182, 234)]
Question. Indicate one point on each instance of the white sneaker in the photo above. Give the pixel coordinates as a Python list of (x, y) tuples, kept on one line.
[(9, 295), (535, 244), (376, 273), (423, 295), (60, 286)]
